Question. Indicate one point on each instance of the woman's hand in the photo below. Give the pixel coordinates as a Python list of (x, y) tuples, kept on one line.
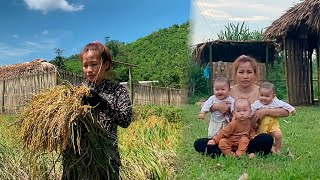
[(94, 99), (260, 113), (211, 142), (223, 107)]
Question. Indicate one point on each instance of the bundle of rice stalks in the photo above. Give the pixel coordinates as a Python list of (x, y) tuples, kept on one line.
[(59, 120), (46, 123)]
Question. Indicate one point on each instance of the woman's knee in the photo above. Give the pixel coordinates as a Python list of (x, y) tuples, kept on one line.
[(200, 145), (263, 138)]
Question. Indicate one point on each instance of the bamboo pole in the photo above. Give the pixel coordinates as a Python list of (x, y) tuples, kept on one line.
[(211, 69), (318, 67), (130, 84), (3, 92), (310, 86), (267, 61)]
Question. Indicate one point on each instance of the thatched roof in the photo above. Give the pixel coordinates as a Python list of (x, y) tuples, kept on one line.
[(16, 70), (302, 18), (228, 51)]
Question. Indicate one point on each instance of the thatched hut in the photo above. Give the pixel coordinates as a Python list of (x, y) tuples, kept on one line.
[(220, 55), (19, 82), (16, 70), (298, 33)]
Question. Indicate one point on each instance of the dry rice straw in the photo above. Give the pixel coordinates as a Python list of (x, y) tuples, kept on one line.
[(46, 122)]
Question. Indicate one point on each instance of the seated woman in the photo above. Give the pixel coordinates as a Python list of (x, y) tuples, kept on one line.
[(245, 69)]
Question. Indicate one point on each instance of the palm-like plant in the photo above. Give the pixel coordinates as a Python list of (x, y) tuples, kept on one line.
[(239, 32)]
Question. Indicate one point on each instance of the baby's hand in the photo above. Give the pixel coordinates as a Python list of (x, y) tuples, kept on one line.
[(201, 116), (211, 142)]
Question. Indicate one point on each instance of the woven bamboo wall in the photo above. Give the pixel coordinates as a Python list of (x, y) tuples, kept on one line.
[(144, 94), (16, 91), (298, 71), (225, 69)]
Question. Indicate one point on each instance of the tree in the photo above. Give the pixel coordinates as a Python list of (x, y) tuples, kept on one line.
[(114, 46), (58, 60)]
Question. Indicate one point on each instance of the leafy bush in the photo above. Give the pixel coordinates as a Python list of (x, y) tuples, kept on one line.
[(170, 113)]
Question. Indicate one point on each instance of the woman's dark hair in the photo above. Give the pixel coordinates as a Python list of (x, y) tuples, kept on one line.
[(101, 49), (244, 59)]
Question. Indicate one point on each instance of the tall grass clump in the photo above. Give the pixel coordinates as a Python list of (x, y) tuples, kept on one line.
[(148, 146)]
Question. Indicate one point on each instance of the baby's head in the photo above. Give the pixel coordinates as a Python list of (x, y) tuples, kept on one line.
[(266, 93), (221, 88), (242, 109)]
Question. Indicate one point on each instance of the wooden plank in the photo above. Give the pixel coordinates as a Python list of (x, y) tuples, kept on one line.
[(303, 70), (289, 63), (311, 94), (318, 68), (3, 87)]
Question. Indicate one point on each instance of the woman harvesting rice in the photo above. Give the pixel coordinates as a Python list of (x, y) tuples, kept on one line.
[(112, 103)]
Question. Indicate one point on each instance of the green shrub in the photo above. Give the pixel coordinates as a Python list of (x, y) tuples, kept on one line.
[(170, 113)]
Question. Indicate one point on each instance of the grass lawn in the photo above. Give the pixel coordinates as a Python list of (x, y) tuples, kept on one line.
[(299, 158)]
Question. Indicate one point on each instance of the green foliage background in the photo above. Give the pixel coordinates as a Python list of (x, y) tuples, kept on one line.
[(164, 56), (161, 56)]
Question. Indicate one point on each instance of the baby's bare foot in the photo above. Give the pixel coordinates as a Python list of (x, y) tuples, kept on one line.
[(252, 155)]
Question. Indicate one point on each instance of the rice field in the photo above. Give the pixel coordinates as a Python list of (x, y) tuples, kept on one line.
[(148, 148)]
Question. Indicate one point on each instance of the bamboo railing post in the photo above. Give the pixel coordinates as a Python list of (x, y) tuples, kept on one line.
[(318, 68), (211, 70), (130, 84), (168, 96), (267, 61), (3, 89), (286, 66)]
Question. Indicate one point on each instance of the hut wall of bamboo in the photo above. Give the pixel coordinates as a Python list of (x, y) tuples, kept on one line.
[(298, 72), (224, 69)]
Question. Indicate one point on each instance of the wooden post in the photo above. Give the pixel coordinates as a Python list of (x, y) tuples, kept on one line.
[(286, 66), (130, 85), (168, 89), (3, 89), (318, 68), (267, 61), (211, 70)]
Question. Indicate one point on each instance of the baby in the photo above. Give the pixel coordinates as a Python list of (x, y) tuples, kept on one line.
[(270, 124), (234, 138), (218, 120)]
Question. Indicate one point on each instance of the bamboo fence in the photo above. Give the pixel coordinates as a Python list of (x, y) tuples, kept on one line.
[(146, 94), (15, 92)]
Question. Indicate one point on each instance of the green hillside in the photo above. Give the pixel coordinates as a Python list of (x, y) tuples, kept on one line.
[(161, 56)]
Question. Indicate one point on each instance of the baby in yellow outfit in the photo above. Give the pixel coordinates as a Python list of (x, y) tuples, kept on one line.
[(270, 124)]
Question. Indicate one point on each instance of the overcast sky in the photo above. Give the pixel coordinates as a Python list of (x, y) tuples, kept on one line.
[(211, 16)]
